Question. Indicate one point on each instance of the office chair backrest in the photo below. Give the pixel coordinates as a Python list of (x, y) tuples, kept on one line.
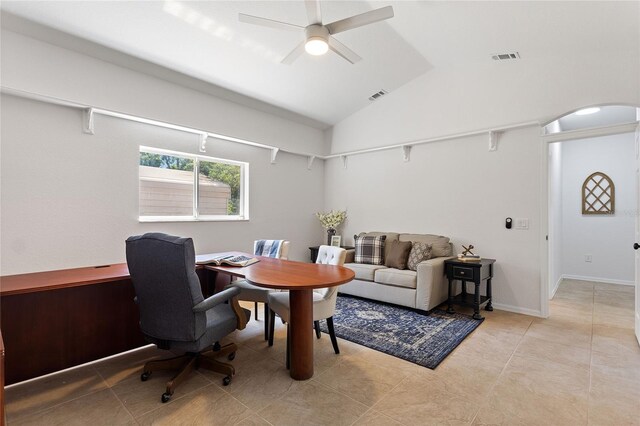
[(329, 255), (162, 268)]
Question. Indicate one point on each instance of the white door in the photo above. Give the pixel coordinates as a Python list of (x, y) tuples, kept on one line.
[(637, 309)]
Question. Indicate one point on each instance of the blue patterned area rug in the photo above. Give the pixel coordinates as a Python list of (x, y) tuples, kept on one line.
[(416, 336)]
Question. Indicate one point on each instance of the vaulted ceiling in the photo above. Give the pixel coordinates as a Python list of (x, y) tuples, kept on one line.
[(205, 40)]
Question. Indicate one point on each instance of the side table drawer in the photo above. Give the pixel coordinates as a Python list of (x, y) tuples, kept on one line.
[(462, 273)]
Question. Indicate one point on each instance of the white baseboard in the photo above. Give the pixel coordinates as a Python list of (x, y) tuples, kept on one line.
[(555, 287), (517, 309), (597, 280)]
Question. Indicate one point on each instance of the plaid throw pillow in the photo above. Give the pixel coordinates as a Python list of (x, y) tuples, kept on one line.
[(419, 252), (369, 249)]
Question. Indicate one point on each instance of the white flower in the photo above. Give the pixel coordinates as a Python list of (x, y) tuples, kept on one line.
[(332, 219)]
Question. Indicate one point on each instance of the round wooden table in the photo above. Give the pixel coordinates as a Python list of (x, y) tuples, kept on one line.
[(300, 279)]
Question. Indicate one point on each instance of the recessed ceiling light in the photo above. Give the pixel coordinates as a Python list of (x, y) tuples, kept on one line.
[(587, 111)]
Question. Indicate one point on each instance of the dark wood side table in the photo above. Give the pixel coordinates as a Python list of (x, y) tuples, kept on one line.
[(474, 272), (313, 252)]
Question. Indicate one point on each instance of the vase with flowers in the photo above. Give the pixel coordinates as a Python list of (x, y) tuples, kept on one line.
[(330, 221)]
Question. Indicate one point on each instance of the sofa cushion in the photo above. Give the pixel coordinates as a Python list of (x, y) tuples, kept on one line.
[(391, 236), (419, 252), (363, 271), (440, 244), (369, 249), (398, 254), (396, 277)]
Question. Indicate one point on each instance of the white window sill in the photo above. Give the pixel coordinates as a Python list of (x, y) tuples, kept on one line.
[(156, 219)]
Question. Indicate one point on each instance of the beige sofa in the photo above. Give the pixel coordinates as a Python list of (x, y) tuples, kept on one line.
[(422, 289)]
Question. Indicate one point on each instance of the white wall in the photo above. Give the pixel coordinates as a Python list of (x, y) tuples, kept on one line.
[(450, 101), (70, 199), (35, 66), (458, 189), (607, 238), (445, 179), (555, 217)]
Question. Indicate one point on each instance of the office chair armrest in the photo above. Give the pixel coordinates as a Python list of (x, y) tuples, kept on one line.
[(216, 299)]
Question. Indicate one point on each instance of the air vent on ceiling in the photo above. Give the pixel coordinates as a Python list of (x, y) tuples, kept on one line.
[(378, 95), (505, 56)]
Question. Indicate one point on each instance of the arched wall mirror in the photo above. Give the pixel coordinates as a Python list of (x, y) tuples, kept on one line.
[(598, 194)]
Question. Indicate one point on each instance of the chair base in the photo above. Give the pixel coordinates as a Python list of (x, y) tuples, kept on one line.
[(192, 361)]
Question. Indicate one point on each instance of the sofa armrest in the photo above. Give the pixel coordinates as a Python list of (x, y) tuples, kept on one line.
[(431, 285), (351, 254)]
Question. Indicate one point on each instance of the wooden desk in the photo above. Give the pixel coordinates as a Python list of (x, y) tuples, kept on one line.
[(300, 279), (58, 319)]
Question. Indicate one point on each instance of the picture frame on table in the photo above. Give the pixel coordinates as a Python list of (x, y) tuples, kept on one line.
[(336, 240)]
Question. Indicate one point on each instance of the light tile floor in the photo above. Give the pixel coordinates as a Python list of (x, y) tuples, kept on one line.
[(580, 366)]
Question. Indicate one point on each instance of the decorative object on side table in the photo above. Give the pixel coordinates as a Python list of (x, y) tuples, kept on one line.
[(335, 240), (475, 272), (330, 221), (467, 255)]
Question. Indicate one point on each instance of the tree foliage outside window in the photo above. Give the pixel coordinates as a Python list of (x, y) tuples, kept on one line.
[(230, 174)]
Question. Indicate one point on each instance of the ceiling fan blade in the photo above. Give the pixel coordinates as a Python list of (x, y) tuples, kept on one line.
[(343, 50), (264, 22), (313, 11), (295, 53), (360, 20)]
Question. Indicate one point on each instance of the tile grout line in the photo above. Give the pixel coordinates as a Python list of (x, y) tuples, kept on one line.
[(44, 410), (488, 394)]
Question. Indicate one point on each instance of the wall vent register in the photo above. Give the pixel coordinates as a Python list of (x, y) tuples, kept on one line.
[(505, 56), (377, 95)]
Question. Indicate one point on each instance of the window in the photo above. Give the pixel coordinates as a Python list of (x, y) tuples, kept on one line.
[(170, 191)]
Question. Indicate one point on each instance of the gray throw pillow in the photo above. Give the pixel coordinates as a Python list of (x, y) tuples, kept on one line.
[(419, 252), (398, 254)]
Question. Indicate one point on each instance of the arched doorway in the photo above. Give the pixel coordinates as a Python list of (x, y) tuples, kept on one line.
[(594, 250)]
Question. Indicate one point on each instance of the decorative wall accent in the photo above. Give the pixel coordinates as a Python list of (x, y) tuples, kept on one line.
[(598, 194)]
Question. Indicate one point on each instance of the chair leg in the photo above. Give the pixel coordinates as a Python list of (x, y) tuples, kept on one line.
[(255, 310), (288, 357), (272, 323), (188, 367), (332, 334), (174, 363), (217, 366), (316, 326), (266, 321)]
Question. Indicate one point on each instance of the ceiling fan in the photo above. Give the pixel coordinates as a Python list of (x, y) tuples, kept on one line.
[(318, 37)]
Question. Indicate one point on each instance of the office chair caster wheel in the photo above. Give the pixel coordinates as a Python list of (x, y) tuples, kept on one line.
[(226, 381), (145, 376), (231, 356), (166, 397)]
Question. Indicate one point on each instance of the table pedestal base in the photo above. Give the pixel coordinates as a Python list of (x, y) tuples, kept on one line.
[(301, 305)]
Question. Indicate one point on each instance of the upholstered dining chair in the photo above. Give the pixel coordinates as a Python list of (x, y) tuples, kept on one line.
[(174, 315), (253, 293), (324, 300)]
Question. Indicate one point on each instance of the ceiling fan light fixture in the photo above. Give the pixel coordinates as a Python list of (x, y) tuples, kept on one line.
[(316, 46)]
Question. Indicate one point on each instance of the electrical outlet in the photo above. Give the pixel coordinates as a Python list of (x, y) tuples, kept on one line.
[(587, 258)]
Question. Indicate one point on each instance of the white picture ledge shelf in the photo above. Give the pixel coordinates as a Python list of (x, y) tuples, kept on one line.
[(90, 112)]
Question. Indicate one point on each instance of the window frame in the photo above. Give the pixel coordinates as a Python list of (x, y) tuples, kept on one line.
[(243, 207)]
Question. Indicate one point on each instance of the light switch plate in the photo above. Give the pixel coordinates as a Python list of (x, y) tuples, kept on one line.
[(521, 223)]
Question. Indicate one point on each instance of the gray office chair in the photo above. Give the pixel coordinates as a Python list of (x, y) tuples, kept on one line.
[(173, 313)]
